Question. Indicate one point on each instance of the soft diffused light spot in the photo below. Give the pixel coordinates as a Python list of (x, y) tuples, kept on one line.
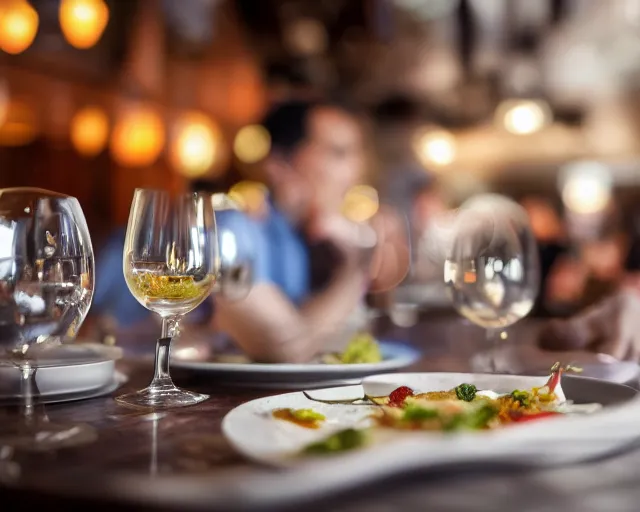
[(586, 187), (523, 117), (251, 196), (306, 36), (90, 131), (360, 203), (252, 144), (20, 126), (18, 26), (138, 137), (435, 147), (83, 21), (195, 145)]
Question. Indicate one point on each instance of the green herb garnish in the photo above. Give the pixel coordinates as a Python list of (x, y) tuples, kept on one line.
[(522, 397), (342, 441), (475, 419), (466, 392), (413, 412)]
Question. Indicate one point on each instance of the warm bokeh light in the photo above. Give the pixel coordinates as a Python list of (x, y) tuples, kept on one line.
[(360, 203), (251, 196), (83, 21), (435, 147), (195, 145), (252, 144), (4, 100), (586, 187), (18, 26), (523, 117), (90, 131), (138, 137), (20, 126)]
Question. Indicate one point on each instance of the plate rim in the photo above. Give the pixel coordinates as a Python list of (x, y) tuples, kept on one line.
[(409, 355)]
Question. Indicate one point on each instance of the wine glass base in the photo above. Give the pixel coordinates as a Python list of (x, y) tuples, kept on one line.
[(161, 397), (42, 436)]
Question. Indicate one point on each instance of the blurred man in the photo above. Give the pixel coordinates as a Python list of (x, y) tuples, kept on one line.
[(311, 266)]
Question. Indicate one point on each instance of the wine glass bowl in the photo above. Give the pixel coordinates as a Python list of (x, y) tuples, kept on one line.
[(46, 269), (171, 264), (492, 269), (46, 289)]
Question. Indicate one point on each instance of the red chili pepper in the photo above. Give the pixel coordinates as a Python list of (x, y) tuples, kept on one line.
[(397, 396), (554, 379), (521, 418)]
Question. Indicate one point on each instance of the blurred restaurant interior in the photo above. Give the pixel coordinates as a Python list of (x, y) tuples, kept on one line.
[(536, 100)]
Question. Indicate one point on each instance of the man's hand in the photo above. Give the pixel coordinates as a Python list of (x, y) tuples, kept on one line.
[(611, 327)]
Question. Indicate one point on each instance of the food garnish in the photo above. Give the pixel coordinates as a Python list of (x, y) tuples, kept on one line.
[(342, 441), (361, 349), (307, 418), (399, 395), (466, 392), (522, 397)]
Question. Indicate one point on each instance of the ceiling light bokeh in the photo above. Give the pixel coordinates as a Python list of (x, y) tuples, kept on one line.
[(586, 187), (83, 21), (90, 131), (138, 136), (523, 117), (18, 26), (195, 145), (435, 147)]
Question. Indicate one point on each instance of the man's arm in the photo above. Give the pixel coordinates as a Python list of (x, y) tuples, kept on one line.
[(270, 328)]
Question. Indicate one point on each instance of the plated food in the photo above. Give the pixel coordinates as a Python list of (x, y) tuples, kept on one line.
[(422, 419), (463, 408)]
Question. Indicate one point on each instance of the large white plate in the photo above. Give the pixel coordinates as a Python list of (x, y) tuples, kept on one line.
[(284, 376), (251, 429)]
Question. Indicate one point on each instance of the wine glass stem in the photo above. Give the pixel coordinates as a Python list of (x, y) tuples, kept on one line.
[(28, 389), (163, 349), (492, 341)]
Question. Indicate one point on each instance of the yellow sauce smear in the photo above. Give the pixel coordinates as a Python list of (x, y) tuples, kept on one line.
[(286, 415)]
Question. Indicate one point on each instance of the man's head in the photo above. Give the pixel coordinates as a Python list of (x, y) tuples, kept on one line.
[(316, 156)]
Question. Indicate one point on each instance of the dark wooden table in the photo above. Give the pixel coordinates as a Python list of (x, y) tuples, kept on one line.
[(178, 460)]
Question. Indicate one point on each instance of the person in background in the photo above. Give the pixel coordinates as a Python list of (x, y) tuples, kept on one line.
[(611, 325), (311, 266)]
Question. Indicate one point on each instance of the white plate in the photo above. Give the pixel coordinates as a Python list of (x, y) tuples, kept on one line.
[(396, 356), (251, 429), (59, 380)]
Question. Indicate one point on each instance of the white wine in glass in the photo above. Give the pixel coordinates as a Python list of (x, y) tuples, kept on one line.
[(492, 269), (171, 264)]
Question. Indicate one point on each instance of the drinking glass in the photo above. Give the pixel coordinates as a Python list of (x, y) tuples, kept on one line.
[(46, 288), (236, 258), (171, 264), (492, 270)]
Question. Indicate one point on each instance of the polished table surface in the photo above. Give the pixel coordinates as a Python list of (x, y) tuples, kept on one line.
[(178, 460)]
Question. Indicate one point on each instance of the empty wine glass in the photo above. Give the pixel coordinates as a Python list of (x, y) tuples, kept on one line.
[(46, 288), (236, 258), (492, 269), (171, 264)]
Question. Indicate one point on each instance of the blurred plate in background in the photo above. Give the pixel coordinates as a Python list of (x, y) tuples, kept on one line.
[(293, 376)]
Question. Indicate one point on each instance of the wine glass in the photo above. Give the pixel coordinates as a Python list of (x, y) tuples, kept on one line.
[(46, 288), (236, 259), (492, 270), (171, 264)]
